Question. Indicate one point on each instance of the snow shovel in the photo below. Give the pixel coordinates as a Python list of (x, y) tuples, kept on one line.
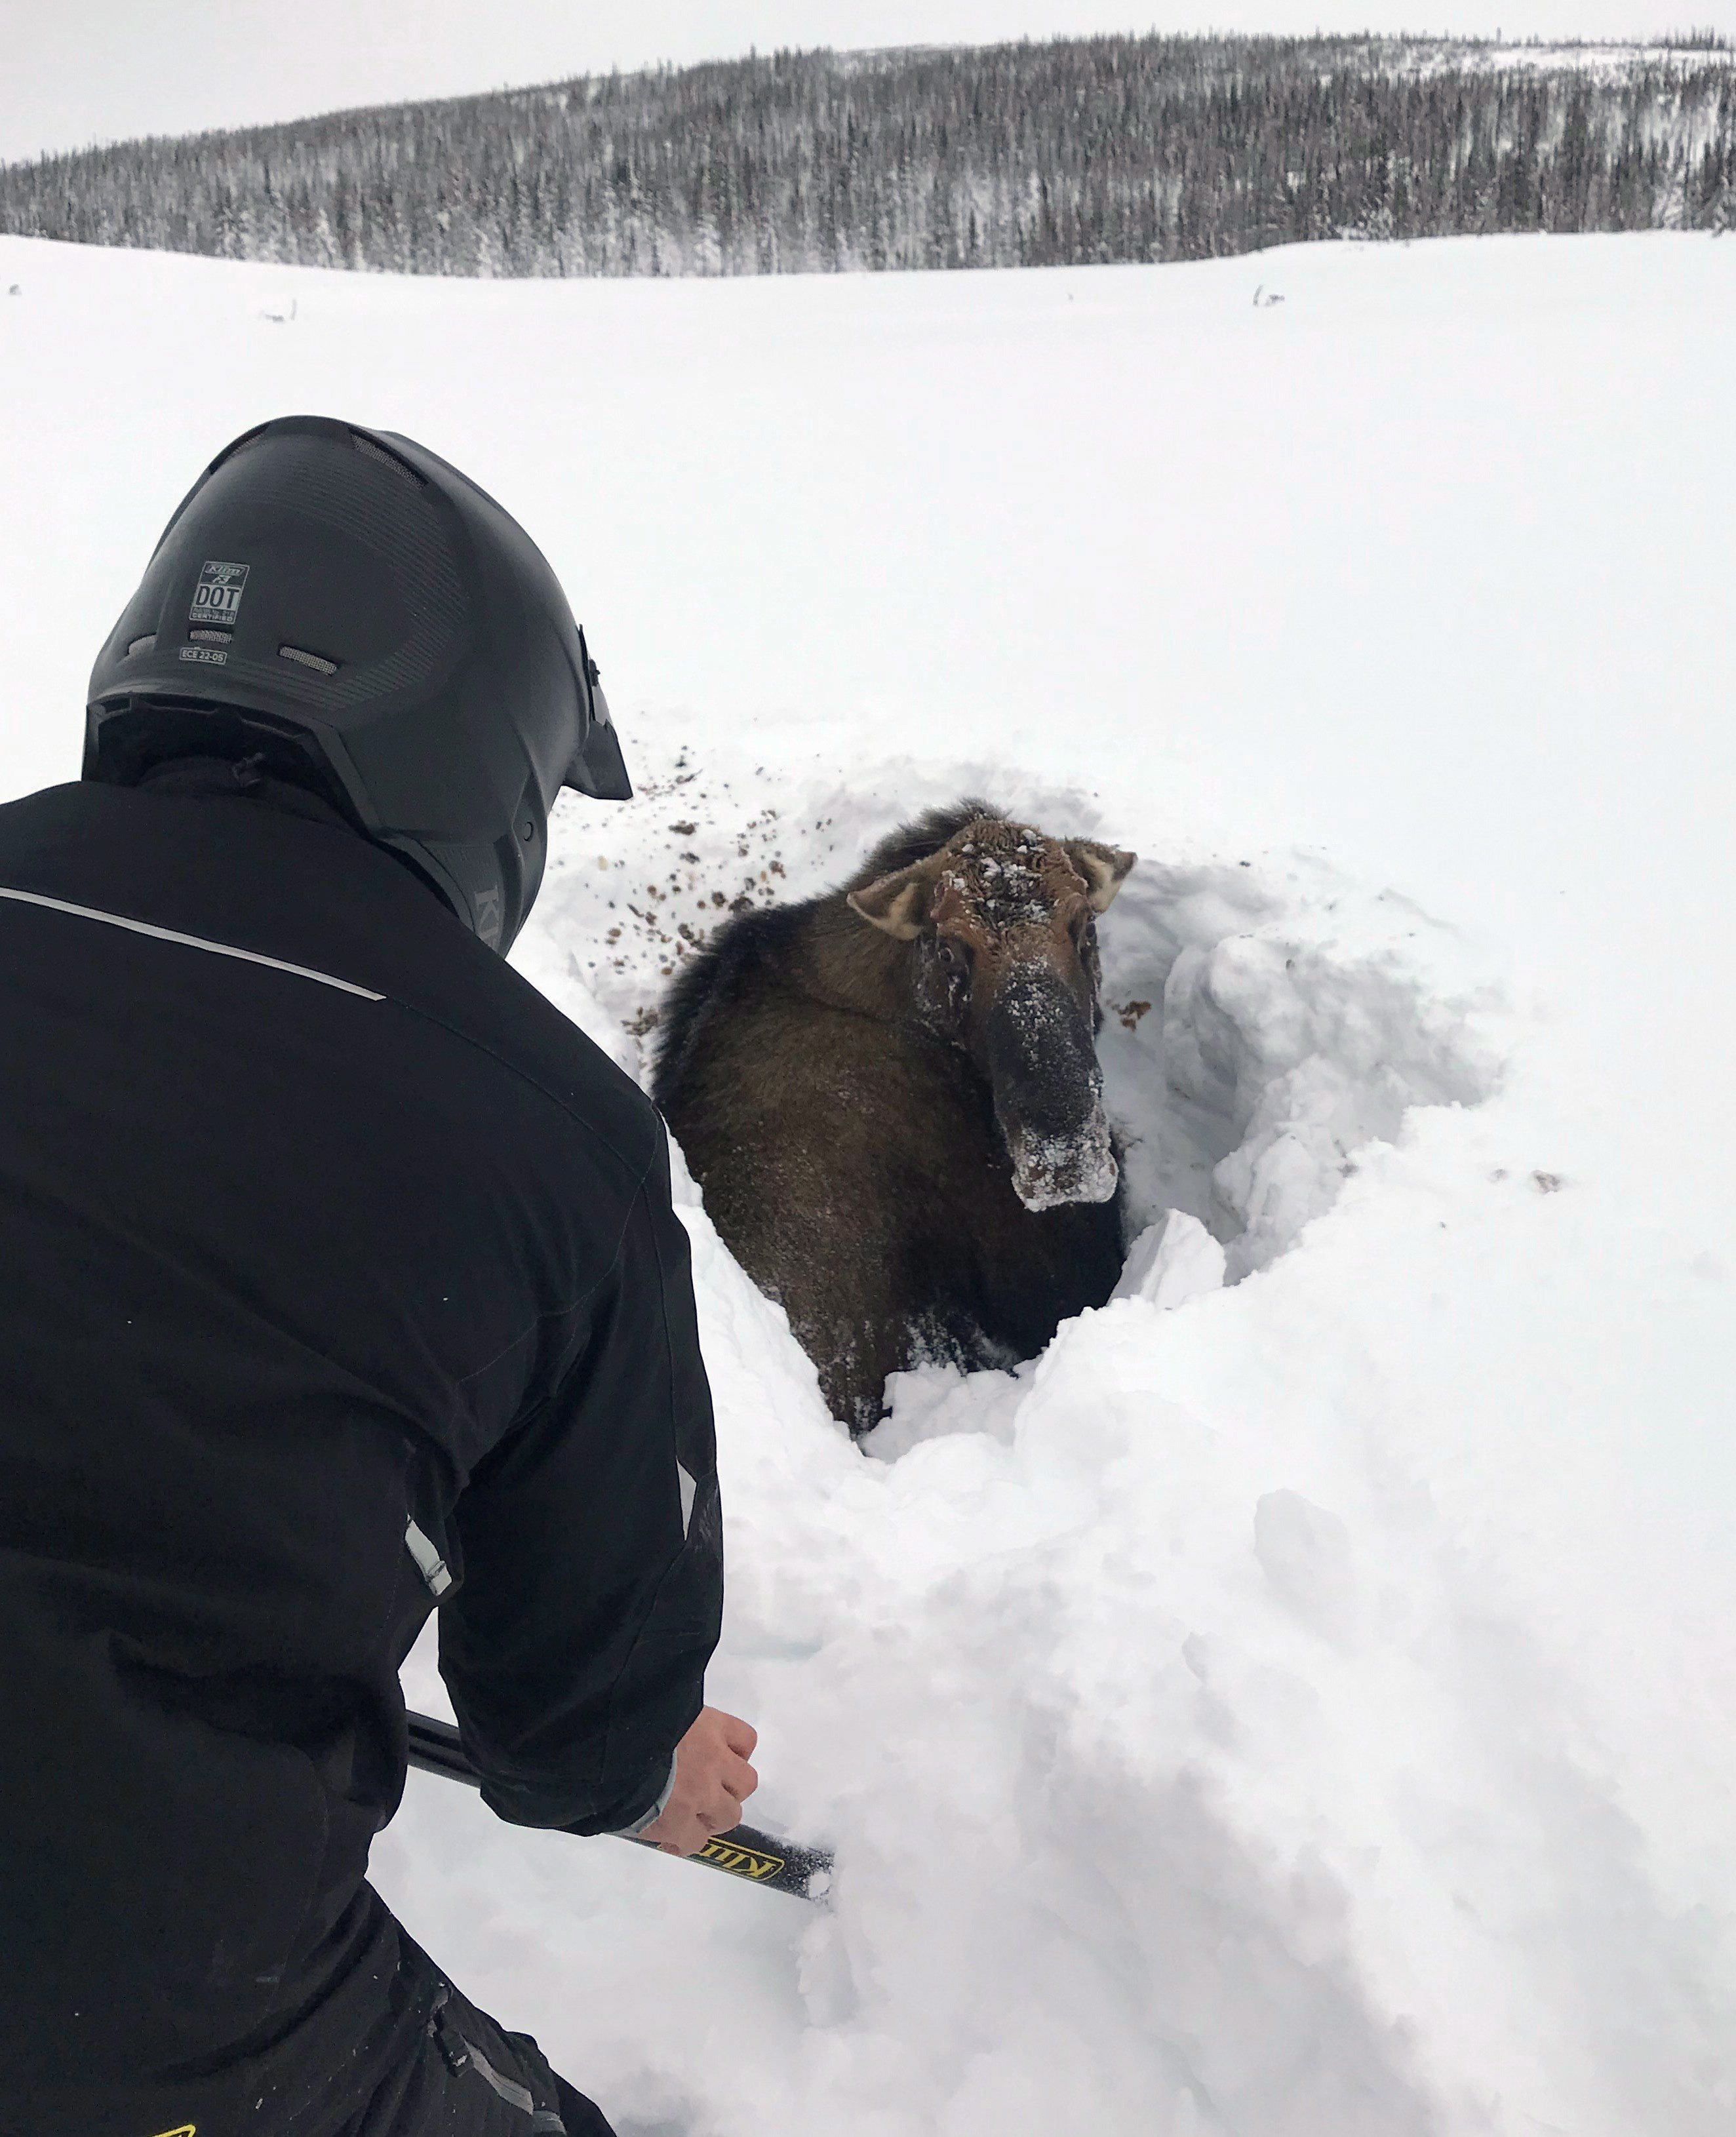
[(743, 1851)]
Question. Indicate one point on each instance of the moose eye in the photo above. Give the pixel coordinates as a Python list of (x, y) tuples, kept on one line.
[(952, 954)]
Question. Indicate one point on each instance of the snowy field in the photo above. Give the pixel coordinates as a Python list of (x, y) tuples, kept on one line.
[(1300, 1705)]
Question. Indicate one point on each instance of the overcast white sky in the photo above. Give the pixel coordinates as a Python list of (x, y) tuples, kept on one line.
[(73, 72)]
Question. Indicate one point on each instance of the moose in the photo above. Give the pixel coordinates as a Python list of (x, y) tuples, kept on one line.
[(890, 1096)]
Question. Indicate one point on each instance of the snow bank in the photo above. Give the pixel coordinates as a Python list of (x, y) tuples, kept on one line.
[(1300, 1705)]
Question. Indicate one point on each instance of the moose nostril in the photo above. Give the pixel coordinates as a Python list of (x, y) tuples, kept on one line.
[(1053, 1166)]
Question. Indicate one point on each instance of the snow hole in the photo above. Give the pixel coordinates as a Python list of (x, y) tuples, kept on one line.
[(1264, 1019)]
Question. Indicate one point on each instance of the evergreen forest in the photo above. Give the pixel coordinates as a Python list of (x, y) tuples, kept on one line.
[(1080, 150)]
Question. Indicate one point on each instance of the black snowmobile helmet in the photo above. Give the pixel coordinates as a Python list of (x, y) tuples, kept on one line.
[(347, 611)]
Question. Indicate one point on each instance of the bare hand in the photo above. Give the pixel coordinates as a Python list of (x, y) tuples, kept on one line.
[(713, 1780)]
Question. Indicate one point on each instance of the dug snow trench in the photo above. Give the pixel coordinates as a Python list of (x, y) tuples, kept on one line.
[(1189, 1771), (1255, 1036), (1000, 1666)]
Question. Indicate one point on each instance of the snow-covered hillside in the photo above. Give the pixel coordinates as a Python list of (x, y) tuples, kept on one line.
[(1306, 1708)]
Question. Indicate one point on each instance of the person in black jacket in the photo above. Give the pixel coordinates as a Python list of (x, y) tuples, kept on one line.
[(339, 1280)]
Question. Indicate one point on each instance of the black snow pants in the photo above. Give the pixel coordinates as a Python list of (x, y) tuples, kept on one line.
[(468, 2078)]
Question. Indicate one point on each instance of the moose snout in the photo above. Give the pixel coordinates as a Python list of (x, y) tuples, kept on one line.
[(1048, 1092)]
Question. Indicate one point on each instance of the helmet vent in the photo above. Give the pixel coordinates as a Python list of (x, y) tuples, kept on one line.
[(211, 637), (374, 452), (303, 658), (142, 645)]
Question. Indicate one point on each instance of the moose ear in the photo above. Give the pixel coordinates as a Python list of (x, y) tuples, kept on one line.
[(1105, 868), (896, 901)]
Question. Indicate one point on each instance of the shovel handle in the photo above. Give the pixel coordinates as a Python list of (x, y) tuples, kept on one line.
[(743, 1851)]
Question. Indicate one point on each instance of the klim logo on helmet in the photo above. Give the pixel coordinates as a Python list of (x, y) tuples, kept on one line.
[(490, 916), (216, 599)]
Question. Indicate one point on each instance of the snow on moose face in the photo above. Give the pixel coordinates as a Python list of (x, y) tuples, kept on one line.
[(1002, 922)]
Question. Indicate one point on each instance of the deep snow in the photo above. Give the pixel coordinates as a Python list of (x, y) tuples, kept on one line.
[(1300, 1705)]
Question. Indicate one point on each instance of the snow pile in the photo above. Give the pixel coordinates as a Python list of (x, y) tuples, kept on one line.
[(1302, 1703), (1172, 1261)]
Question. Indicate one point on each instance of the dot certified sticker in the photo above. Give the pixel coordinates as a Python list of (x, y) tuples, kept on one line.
[(216, 599)]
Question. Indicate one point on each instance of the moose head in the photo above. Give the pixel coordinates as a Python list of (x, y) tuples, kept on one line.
[(1001, 926)]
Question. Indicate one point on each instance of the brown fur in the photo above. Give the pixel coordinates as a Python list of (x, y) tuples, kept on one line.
[(843, 1076)]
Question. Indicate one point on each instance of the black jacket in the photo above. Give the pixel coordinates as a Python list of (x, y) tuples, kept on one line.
[(298, 1248)]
